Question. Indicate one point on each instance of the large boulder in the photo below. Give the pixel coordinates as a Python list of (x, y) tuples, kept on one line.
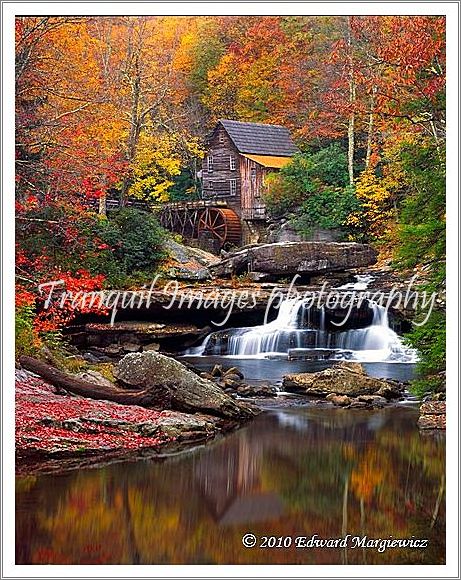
[(94, 377), (345, 378), (186, 263), (176, 387), (289, 258)]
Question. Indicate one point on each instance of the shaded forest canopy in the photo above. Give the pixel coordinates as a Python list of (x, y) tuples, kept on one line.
[(122, 106)]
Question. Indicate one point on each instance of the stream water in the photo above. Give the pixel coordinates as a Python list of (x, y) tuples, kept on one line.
[(293, 471)]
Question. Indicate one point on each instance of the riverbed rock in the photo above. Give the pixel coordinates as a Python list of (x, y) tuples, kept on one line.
[(131, 347), (439, 396), (229, 384), (290, 258), (231, 381), (338, 400), (233, 371), (432, 422), (216, 371), (186, 263), (432, 415), (341, 379), (391, 391), (111, 350), (177, 387), (126, 336), (151, 346), (356, 404), (256, 391), (182, 427), (433, 408), (374, 400)]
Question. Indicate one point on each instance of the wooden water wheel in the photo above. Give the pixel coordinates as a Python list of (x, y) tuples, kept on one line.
[(222, 223)]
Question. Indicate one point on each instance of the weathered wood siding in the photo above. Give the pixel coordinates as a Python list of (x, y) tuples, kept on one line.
[(248, 175), (252, 177), (217, 183)]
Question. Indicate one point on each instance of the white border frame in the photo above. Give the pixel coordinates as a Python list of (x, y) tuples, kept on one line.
[(9, 11)]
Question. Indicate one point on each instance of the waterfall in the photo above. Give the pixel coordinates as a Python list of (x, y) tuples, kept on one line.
[(377, 342), (361, 283), (299, 330)]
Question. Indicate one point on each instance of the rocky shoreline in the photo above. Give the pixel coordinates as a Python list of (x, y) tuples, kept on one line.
[(54, 423), (58, 430), (432, 415), (55, 432)]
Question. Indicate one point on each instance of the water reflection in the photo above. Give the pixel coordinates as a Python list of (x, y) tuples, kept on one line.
[(291, 472)]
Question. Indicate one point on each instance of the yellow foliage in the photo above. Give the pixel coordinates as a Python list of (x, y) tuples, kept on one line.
[(368, 475), (155, 164), (221, 94), (377, 196), (159, 158)]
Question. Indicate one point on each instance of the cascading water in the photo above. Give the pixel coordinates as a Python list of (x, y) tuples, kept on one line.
[(292, 333), (361, 283)]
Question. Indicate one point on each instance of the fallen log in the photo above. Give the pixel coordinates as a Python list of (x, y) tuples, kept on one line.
[(158, 399), (151, 380)]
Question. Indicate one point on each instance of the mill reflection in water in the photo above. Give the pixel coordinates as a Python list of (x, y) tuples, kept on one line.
[(294, 471)]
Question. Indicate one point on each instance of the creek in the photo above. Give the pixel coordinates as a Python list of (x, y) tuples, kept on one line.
[(295, 470), (298, 469)]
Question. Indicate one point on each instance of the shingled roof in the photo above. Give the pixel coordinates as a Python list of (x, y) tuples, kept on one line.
[(260, 139)]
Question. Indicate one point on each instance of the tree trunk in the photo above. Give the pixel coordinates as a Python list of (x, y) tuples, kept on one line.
[(362, 528), (436, 140), (370, 128), (102, 210), (104, 28), (352, 97), (67, 382), (435, 513), (344, 523), (135, 129), (129, 525), (350, 150)]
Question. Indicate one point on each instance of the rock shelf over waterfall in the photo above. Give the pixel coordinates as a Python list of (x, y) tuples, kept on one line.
[(290, 258), (175, 316)]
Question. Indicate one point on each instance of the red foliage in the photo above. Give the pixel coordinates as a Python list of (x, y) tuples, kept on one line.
[(36, 400), (60, 312), (37, 263)]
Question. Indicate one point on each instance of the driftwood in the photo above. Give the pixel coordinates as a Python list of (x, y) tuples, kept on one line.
[(61, 380)]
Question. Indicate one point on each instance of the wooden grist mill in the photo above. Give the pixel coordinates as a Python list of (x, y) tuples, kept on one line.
[(203, 220), (232, 211)]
